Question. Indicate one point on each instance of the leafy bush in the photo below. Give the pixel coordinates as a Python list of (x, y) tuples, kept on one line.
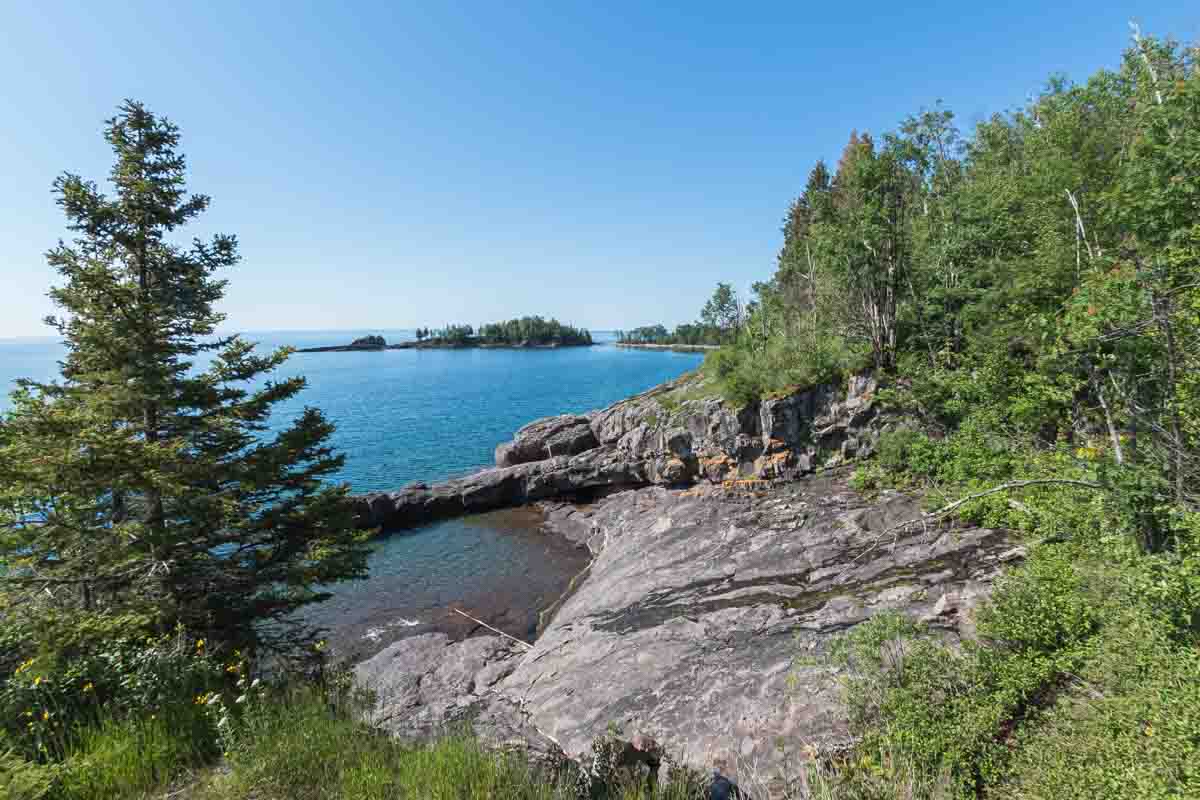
[(50, 699), (751, 370), (1084, 683), (1129, 728)]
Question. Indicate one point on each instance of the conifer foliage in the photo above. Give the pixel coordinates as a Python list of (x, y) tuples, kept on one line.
[(144, 480)]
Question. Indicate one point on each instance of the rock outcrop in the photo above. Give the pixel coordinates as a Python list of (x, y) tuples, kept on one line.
[(701, 622), (565, 435), (676, 434)]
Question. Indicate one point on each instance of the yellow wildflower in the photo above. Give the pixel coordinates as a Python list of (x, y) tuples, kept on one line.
[(37, 681), (199, 644), (23, 667), (319, 646), (233, 669), (89, 686), (45, 716)]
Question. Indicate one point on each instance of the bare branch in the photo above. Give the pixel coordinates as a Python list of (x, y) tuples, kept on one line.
[(524, 644), (1137, 38)]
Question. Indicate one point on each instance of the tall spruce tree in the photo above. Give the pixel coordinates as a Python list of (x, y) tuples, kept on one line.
[(144, 479)]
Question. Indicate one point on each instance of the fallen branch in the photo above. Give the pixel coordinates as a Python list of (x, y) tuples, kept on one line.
[(948, 509), (524, 644)]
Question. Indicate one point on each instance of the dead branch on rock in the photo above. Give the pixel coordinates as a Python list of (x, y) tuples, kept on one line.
[(945, 511), (524, 644)]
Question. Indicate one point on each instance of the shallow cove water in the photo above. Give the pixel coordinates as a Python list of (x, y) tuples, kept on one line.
[(405, 415)]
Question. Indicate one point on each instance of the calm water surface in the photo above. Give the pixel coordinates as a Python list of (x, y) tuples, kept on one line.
[(405, 415)]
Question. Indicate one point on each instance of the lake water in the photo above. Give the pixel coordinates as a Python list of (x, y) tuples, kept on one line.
[(405, 415)]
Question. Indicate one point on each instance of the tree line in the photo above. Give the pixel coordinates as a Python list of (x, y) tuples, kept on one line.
[(720, 319), (533, 330)]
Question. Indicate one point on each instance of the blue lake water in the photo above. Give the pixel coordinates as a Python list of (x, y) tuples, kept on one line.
[(405, 415)]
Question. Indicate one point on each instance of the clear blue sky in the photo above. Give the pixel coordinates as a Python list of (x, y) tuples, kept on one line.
[(396, 165)]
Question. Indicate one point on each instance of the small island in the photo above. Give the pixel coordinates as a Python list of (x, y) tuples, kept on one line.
[(720, 320), (526, 332), (686, 338)]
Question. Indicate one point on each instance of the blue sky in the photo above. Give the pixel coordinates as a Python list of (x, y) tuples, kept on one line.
[(395, 165)]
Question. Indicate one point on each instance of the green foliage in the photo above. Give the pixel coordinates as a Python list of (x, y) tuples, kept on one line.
[(687, 333), (61, 688), (1083, 682), (21, 779), (307, 741), (720, 319), (141, 482), (1127, 728), (131, 757), (749, 371), (944, 710), (532, 330)]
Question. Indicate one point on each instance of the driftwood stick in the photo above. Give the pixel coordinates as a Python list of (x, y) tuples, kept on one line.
[(949, 508), (524, 644)]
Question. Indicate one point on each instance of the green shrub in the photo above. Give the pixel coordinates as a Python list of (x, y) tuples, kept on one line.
[(1042, 608), (751, 370), (943, 711), (304, 742), (1128, 728), (52, 697)]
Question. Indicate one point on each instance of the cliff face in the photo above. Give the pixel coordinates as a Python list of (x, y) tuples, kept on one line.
[(712, 593), (675, 434)]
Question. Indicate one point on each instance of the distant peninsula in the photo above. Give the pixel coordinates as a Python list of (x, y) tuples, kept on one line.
[(526, 332)]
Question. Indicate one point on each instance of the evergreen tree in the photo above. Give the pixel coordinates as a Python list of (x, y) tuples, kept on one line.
[(144, 479)]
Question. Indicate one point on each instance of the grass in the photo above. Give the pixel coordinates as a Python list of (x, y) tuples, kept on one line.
[(116, 758), (296, 747), (132, 758), (301, 746)]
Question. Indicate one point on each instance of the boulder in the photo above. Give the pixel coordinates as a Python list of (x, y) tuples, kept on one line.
[(425, 685), (565, 435)]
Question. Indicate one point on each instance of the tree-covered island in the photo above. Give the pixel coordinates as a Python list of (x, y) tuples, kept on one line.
[(531, 332)]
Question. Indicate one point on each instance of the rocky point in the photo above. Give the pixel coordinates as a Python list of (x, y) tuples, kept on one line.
[(722, 568)]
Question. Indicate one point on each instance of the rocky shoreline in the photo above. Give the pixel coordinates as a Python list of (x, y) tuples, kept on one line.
[(674, 435), (676, 348), (727, 551)]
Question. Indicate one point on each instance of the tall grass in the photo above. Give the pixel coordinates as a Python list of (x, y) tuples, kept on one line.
[(130, 758), (303, 745)]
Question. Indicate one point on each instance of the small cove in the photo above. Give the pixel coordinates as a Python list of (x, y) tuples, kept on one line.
[(405, 415)]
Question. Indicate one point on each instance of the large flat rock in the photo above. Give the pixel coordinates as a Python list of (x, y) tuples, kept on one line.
[(702, 622)]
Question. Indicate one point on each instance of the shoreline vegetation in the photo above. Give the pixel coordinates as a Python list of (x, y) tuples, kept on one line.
[(718, 325), (532, 333)]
